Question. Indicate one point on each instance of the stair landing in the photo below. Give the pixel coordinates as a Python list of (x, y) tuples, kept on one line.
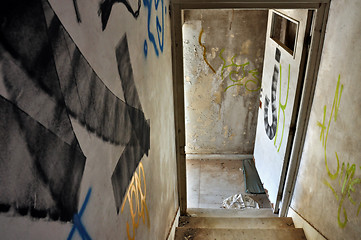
[(226, 224), (237, 234)]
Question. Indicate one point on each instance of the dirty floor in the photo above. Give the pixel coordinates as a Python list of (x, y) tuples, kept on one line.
[(209, 182)]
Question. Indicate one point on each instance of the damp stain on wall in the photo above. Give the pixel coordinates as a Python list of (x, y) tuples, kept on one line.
[(224, 66)]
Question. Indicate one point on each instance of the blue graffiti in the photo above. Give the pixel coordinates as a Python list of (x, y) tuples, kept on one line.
[(78, 225), (159, 27), (145, 48)]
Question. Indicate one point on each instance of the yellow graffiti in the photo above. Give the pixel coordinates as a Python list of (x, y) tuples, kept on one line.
[(233, 74), (345, 177), (136, 194), (282, 106), (204, 50), (255, 80), (241, 74), (334, 110), (346, 183)]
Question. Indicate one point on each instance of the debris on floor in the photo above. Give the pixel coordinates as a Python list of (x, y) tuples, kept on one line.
[(239, 201), (189, 234)]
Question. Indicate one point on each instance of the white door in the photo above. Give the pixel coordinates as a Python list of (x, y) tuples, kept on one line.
[(281, 73)]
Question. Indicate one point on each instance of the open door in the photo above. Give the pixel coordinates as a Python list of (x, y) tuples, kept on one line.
[(281, 87)]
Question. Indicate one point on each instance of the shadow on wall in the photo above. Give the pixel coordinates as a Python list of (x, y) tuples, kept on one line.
[(46, 81)]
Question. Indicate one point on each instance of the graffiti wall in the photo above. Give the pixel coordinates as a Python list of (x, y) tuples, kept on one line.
[(86, 120), (328, 187), (223, 61)]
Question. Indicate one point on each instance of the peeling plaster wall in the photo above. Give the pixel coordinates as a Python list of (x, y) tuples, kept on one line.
[(223, 59), (328, 187), (87, 120)]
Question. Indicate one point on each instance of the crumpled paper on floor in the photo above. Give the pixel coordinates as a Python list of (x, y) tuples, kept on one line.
[(239, 201)]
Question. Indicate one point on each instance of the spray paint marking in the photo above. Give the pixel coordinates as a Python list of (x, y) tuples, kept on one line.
[(271, 130), (159, 27), (78, 225), (136, 194), (282, 106), (334, 111), (204, 51), (77, 13), (233, 64), (346, 180), (255, 80), (241, 73)]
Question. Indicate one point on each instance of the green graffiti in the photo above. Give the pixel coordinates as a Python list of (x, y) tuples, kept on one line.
[(345, 175), (341, 224), (242, 74), (359, 206), (282, 107), (334, 111), (323, 127), (233, 64), (333, 190), (347, 188), (346, 183), (255, 81)]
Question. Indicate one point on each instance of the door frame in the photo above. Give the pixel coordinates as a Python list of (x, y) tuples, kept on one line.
[(321, 9)]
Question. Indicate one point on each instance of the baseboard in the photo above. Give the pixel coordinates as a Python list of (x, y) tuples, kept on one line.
[(171, 232), (300, 222), (219, 156)]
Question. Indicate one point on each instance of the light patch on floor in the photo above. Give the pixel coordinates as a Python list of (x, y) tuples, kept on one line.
[(209, 182)]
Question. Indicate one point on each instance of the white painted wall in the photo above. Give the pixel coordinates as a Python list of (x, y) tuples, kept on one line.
[(153, 80), (332, 204)]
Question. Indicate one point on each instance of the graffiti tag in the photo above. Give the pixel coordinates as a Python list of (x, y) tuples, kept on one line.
[(238, 73), (136, 193), (346, 179), (78, 225), (271, 129), (204, 51), (282, 107), (159, 26)]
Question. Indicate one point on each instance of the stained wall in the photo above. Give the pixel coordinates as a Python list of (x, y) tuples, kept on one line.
[(223, 61), (87, 125), (328, 187)]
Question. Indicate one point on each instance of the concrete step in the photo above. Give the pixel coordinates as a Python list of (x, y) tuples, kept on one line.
[(235, 223), (239, 234), (231, 213)]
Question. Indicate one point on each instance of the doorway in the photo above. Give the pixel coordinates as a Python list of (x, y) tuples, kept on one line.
[(283, 74), (318, 29), (223, 52)]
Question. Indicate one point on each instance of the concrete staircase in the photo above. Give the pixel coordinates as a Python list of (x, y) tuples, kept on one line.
[(219, 224)]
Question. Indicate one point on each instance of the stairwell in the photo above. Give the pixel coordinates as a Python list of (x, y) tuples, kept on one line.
[(227, 224)]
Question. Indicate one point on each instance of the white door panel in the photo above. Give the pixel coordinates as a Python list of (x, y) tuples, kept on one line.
[(279, 81)]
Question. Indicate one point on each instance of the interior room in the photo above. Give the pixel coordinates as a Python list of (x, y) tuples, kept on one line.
[(223, 63)]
